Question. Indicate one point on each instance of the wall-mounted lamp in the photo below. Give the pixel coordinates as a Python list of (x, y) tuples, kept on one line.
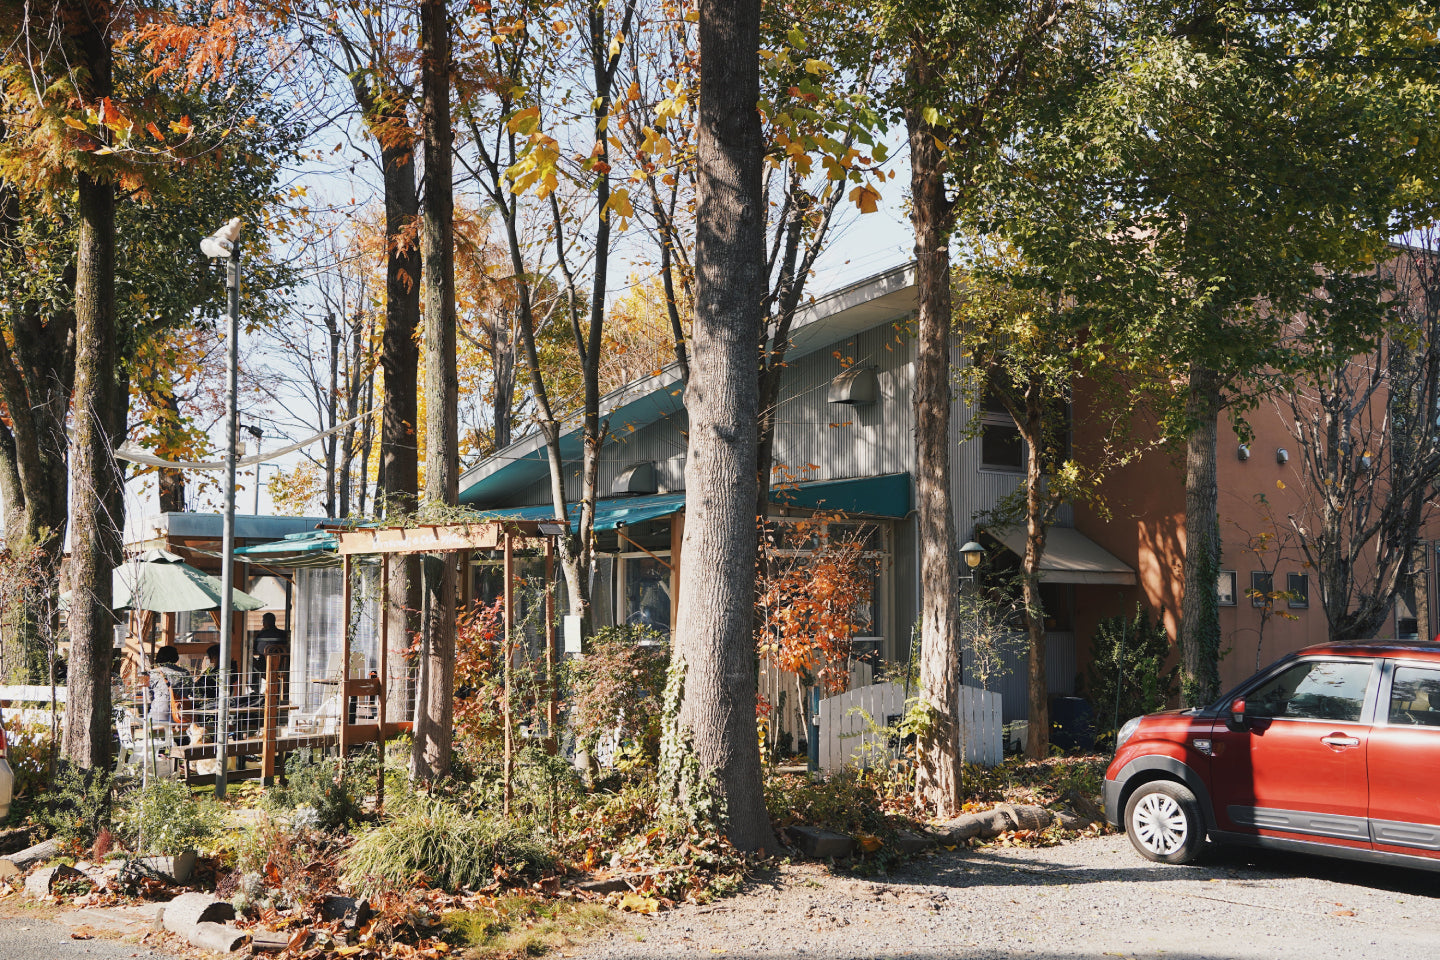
[(1282, 455), (855, 386), (973, 553), (1364, 464), (1243, 451)]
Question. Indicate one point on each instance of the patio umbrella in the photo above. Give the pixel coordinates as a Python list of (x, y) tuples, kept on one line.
[(162, 582)]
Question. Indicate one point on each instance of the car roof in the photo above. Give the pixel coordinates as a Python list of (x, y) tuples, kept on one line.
[(1403, 649)]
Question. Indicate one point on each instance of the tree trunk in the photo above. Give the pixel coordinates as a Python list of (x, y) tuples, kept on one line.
[(37, 376), (939, 746), (95, 538), (714, 638), (434, 712), (1037, 731), (94, 534), (399, 486), (332, 415), (1199, 611)]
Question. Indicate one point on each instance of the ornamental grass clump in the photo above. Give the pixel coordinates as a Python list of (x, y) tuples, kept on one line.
[(437, 842)]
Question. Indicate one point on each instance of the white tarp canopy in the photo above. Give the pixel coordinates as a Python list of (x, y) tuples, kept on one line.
[(1070, 557)]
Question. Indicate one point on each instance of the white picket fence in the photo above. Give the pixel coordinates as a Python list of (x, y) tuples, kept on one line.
[(29, 704), (853, 726)]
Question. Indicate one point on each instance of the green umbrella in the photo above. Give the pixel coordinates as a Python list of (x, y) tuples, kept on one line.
[(163, 582)]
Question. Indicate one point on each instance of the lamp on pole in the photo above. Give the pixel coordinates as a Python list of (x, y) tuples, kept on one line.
[(225, 244)]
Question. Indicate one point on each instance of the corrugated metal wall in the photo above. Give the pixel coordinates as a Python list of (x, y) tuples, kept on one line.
[(818, 440), (1010, 679)]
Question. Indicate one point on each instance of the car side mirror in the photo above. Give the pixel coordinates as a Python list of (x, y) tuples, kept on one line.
[(1236, 720)]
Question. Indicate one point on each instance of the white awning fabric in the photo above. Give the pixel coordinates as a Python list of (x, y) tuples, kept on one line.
[(1070, 557)]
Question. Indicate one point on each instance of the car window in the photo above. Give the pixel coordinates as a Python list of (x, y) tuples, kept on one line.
[(1314, 690), (1415, 697)]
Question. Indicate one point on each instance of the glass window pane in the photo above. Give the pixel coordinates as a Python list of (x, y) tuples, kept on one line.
[(1262, 584), (1415, 697), (1225, 588), (1314, 690), (1298, 586), (1001, 446), (647, 593)]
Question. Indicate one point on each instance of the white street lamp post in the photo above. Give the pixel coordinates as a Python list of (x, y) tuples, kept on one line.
[(225, 243)]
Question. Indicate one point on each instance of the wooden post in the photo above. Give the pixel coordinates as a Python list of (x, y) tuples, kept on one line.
[(272, 718), (552, 708), (677, 539), (344, 718), (384, 677), (509, 767)]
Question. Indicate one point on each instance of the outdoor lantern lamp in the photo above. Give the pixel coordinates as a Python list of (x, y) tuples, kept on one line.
[(225, 244), (973, 553)]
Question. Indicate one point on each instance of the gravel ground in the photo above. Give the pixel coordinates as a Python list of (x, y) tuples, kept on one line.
[(39, 939), (1087, 899)]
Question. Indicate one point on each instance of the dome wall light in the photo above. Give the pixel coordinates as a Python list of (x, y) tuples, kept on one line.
[(1282, 455), (1242, 452)]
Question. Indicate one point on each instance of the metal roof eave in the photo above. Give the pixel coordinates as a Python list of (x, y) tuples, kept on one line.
[(838, 314)]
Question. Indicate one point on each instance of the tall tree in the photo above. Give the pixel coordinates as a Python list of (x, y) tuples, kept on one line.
[(714, 639), (435, 698), (1303, 128), (1368, 453), (99, 418), (969, 72)]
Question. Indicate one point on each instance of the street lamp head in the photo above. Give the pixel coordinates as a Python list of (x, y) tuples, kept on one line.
[(972, 552), (220, 243)]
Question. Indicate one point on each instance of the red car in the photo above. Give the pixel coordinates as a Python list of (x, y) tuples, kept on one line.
[(1333, 750)]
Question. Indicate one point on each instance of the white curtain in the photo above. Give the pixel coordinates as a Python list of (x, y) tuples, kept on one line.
[(319, 623)]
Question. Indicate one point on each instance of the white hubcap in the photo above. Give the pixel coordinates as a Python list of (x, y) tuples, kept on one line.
[(1159, 824)]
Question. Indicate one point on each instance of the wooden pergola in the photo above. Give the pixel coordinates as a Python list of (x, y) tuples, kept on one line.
[(464, 538)]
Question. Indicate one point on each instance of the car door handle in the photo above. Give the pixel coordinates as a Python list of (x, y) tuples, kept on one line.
[(1335, 740)]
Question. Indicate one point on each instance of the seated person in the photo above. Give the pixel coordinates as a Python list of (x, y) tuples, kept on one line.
[(271, 640), (167, 676)]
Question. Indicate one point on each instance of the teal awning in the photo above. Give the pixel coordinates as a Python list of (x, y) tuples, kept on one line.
[(312, 541), (885, 496), (609, 514)]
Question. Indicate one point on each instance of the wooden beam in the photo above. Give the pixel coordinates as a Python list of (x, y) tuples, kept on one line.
[(384, 677), (509, 767), (659, 560)]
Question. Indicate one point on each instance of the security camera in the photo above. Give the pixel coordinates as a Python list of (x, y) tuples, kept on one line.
[(222, 242)]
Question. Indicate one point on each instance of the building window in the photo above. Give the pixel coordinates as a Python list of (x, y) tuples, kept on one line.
[(1262, 584), (1298, 586), (1001, 447), (1225, 588)]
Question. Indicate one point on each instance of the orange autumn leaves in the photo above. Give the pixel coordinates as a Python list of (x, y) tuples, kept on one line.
[(817, 594)]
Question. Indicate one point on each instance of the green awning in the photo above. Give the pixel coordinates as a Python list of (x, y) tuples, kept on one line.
[(609, 514), (312, 541), (884, 496)]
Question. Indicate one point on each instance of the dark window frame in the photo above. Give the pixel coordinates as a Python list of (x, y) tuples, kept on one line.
[(1299, 599), (1234, 587), (1260, 596)]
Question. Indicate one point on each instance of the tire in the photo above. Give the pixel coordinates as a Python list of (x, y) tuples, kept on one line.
[(1163, 822)]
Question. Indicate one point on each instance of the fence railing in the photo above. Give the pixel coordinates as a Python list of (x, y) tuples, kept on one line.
[(854, 726), (29, 705)]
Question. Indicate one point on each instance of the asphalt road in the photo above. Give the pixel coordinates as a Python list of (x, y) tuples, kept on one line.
[(1088, 899), (37, 939)]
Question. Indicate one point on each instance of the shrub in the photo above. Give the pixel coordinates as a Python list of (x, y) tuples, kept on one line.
[(620, 684), (79, 806), (29, 757), (435, 840), (164, 818), (1128, 657), (321, 786)]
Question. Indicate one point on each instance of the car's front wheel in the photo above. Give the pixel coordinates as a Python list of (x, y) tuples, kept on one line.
[(1162, 819)]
